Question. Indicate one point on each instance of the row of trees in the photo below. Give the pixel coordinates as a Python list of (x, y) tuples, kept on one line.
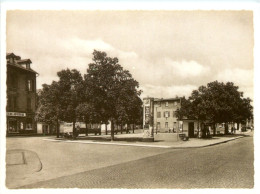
[(217, 102), (105, 93)]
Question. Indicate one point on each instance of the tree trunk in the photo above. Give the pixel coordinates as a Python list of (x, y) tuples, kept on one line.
[(112, 130), (237, 125), (203, 130), (133, 128), (121, 128), (106, 128), (74, 130), (198, 129), (86, 128), (214, 129), (58, 128), (226, 128)]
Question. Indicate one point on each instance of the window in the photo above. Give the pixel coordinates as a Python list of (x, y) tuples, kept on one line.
[(166, 124), (29, 104), (21, 126), (29, 85), (27, 65), (166, 114), (158, 114), (166, 103)]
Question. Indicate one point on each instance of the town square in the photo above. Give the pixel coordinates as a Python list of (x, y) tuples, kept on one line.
[(129, 99)]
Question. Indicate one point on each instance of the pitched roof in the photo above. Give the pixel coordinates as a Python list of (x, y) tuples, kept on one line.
[(24, 60), (8, 55), (19, 61), (21, 67)]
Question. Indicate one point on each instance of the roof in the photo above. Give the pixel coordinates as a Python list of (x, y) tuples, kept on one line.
[(166, 99), (24, 61), (19, 61), (21, 67), (8, 55)]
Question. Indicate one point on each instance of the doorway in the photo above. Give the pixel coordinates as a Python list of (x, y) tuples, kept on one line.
[(191, 129), (12, 126)]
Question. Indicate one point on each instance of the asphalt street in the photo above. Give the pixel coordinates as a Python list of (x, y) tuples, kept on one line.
[(228, 165)]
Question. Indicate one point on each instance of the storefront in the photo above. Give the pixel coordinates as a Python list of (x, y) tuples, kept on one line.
[(18, 122)]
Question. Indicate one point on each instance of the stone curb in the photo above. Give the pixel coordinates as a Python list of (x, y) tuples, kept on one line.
[(211, 144), (143, 145)]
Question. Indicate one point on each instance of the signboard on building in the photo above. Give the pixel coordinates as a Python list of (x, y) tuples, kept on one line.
[(16, 114)]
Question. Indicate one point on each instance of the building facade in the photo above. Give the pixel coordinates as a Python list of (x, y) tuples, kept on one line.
[(161, 114), (21, 95)]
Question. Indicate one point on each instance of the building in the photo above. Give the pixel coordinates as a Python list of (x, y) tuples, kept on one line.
[(161, 114), (21, 95)]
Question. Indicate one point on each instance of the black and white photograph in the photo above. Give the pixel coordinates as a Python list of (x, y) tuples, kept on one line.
[(128, 98)]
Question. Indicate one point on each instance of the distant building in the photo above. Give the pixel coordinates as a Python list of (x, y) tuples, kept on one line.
[(161, 114), (21, 95)]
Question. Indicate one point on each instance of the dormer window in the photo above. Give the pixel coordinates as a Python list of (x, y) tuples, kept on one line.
[(11, 60), (27, 65)]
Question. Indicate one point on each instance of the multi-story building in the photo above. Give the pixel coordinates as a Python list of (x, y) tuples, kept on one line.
[(21, 95), (161, 114)]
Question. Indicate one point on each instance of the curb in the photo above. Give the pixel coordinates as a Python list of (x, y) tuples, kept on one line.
[(212, 144), (111, 143), (143, 145)]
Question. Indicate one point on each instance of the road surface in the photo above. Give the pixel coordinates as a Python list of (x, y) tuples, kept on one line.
[(228, 165)]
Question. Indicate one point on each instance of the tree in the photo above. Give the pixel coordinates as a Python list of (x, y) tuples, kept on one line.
[(217, 102), (49, 108), (71, 87), (110, 88), (59, 100), (88, 113)]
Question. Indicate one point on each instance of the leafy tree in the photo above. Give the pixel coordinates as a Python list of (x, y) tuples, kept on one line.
[(49, 108), (71, 87), (110, 88), (88, 113), (217, 102), (59, 100)]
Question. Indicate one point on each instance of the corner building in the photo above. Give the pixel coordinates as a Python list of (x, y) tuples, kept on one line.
[(161, 113), (21, 95)]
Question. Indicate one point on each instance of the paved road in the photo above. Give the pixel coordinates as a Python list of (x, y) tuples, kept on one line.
[(228, 165), (60, 159)]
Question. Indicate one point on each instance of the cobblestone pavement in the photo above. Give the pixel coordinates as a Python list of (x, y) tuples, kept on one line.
[(228, 165), (61, 159)]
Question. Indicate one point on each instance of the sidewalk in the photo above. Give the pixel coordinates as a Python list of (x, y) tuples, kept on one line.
[(161, 140)]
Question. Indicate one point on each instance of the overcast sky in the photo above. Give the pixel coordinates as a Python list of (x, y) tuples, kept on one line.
[(168, 52)]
